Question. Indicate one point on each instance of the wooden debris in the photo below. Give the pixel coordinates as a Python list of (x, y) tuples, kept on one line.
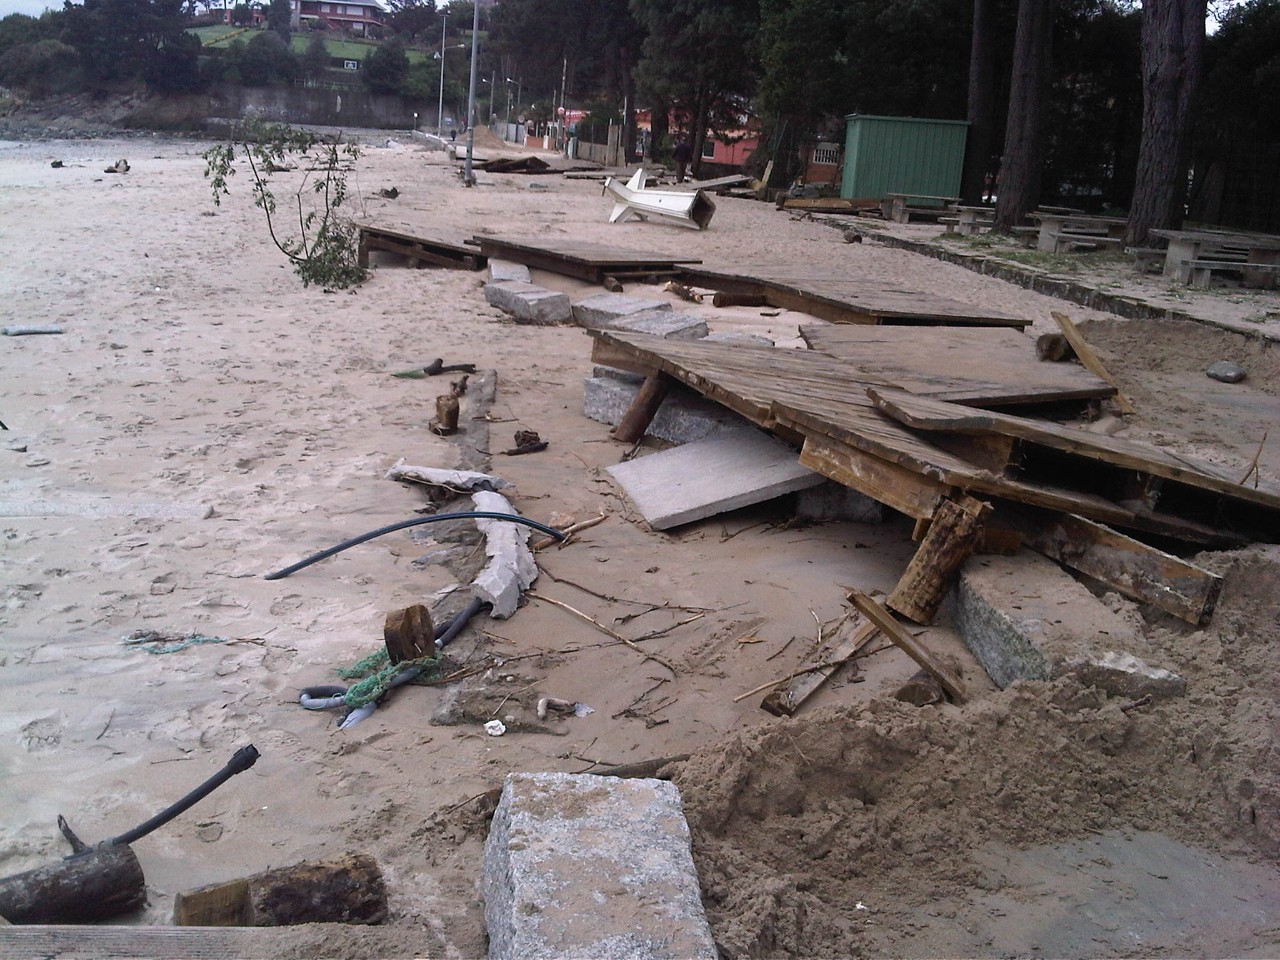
[(515, 165), (612, 284), (446, 421), (643, 408), (438, 366), (527, 441), (1090, 359), (347, 889), (922, 690), (98, 885), (569, 533), (953, 535), (1053, 348), (726, 298), (912, 647), (1129, 566), (459, 387), (603, 629), (409, 634), (422, 250), (682, 291), (803, 685)]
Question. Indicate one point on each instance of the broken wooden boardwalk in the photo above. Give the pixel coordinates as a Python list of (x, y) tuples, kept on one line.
[(818, 401), (841, 298), (585, 261), (421, 249), (982, 366)]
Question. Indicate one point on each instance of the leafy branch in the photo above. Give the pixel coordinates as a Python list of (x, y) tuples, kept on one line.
[(325, 250)]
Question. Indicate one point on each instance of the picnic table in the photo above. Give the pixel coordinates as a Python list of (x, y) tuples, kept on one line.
[(969, 221), (1060, 232), (1195, 255), (899, 207)]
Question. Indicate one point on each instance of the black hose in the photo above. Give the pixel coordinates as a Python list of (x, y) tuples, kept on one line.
[(460, 620), (464, 515), (243, 759)]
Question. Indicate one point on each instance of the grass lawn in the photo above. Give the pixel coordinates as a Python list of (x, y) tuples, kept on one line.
[(221, 35)]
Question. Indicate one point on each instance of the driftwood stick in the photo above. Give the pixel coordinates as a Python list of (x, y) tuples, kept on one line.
[(570, 531), (603, 629)]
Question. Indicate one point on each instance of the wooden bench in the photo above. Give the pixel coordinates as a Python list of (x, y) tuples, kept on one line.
[(1027, 236), (1199, 273), (1080, 241)]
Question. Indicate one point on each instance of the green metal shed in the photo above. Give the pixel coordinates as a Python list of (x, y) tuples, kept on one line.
[(902, 155)]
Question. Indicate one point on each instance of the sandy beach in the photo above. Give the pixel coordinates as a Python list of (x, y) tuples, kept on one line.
[(205, 419)]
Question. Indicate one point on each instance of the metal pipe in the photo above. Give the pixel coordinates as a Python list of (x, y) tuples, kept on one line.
[(444, 23), (469, 177)]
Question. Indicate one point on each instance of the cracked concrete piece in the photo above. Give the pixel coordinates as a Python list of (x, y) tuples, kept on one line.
[(529, 303), (684, 416), (583, 866), (455, 479), (1024, 618), (662, 323), (511, 567), (501, 271), (600, 312)]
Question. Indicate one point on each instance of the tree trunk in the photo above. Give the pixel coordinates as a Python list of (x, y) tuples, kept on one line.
[(1172, 49), (1024, 134), (701, 109), (977, 153), (97, 886)]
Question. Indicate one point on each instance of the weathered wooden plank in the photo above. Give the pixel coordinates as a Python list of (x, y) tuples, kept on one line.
[(1086, 356), (886, 482), (439, 251), (912, 647), (141, 943), (1129, 566), (982, 366), (785, 701), (952, 536), (586, 261)]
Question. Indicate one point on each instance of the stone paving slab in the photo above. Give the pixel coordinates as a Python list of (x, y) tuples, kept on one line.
[(583, 866), (529, 303), (602, 310)]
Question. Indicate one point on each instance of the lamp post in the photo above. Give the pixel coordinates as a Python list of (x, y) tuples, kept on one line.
[(444, 22), (469, 177), (518, 86)]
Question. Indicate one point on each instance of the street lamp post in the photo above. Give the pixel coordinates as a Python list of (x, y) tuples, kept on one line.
[(518, 87), (469, 177), (444, 22)]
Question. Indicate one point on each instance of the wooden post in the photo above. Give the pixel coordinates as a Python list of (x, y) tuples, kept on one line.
[(409, 634), (347, 889), (643, 408), (95, 886), (724, 298), (912, 647), (446, 421), (953, 535), (785, 701), (1090, 359)]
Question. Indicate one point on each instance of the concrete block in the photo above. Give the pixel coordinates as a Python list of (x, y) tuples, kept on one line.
[(685, 416), (529, 303), (599, 312), (1024, 618), (733, 469), (502, 271), (582, 866), (835, 501), (661, 323), (622, 376)]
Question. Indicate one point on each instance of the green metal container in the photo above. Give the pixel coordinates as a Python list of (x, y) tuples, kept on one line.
[(902, 155)]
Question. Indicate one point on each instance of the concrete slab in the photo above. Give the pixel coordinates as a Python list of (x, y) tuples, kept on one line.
[(661, 323), (511, 567), (1024, 618), (529, 303), (501, 271), (685, 416), (734, 469), (582, 866), (598, 312), (737, 336)]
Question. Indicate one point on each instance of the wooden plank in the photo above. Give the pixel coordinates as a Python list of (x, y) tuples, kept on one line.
[(886, 482), (586, 261), (952, 536), (701, 479), (982, 366), (1090, 359), (840, 298), (784, 702), (912, 647), (643, 408), (143, 943), (440, 251), (1129, 566)]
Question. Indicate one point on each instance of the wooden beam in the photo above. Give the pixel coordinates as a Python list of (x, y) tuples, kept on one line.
[(904, 490), (1129, 566), (99, 885), (784, 702), (1090, 359), (912, 647), (409, 634), (643, 408), (952, 537)]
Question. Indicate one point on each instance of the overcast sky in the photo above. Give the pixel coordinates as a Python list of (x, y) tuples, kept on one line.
[(31, 7)]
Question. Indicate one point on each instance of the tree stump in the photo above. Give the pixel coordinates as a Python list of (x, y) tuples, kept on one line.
[(409, 634), (104, 883)]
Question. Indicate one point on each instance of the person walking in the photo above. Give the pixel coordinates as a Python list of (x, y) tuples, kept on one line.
[(682, 155)]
